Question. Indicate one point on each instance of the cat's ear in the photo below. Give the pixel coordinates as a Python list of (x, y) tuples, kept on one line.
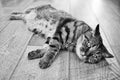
[(105, 52), (97, 30), (107, 55)]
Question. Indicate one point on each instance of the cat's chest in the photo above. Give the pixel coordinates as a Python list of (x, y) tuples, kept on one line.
[(68, 32)]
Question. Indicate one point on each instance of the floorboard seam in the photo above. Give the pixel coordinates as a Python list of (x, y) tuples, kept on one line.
[(23, 51)]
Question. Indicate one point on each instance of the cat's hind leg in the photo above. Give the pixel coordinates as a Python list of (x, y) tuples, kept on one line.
[(17, 16)]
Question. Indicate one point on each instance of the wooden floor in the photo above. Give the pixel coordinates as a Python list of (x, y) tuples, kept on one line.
[(16, 41)]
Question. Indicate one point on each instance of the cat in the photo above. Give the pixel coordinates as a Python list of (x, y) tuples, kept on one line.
[(67, 33), (76, 36)]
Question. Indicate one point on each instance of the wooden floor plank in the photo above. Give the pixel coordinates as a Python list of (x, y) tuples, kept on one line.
[(13, 40), (12, 50), (30, 69)]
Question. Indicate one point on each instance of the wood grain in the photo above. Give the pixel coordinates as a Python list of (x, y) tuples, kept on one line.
[(14, 37), (12, 48)]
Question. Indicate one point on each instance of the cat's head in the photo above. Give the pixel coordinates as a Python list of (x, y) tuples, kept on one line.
[(96, 51)]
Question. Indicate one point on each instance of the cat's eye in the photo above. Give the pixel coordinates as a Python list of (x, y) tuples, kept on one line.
[(93, 45), (98, 52)]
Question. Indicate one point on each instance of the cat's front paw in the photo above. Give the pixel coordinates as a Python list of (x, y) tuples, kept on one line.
[(35, 54), (44, 63), (93, 59)]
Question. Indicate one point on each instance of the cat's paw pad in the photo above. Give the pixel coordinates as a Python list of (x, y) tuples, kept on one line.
[(44, 64), (35, 54)]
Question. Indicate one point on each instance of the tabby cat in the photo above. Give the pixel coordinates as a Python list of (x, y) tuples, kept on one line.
[(68, 34)]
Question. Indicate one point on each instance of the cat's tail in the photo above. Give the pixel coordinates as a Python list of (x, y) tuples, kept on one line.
[(17, 16)]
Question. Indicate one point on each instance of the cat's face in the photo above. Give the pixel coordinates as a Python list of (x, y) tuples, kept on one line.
[(96, 49)]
